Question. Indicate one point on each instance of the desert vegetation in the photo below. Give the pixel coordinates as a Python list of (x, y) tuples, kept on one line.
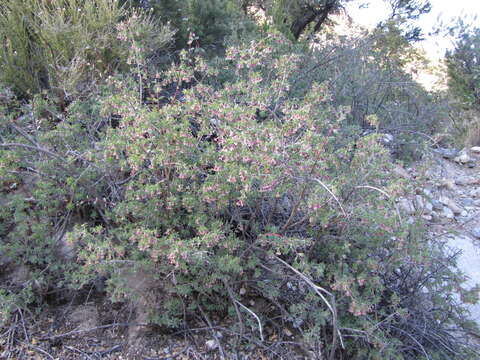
[(196, 167)]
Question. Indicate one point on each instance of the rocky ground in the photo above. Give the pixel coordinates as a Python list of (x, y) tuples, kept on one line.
[(449, 201)]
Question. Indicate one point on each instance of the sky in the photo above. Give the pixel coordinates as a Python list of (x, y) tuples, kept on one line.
[(442, 10)]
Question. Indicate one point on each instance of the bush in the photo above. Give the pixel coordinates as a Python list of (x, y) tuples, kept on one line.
[(463, 72), (207, 22), (66, 45), (463, 67), (368, 73), (226, 192)]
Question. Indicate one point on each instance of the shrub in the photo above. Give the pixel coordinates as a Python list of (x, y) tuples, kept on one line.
[(463, 68), (368, 73), (464, 84), (229, 192), (66, 45), (209, 21)]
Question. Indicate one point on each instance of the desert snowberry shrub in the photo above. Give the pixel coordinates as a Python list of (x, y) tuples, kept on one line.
[(225, 190)]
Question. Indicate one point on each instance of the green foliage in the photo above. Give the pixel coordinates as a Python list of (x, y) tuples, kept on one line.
[(66, 45), (206, 22), (236, 175), (371, 77), (296, 18), (464, 67), (463, 70)]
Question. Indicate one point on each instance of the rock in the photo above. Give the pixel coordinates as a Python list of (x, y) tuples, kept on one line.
[(66, 250), (468, 262), (463, 158), (436, 217), (464, 213), (475, 193), (211, 345), (457, 210), (406, 206), (444, 200), (387, 139), (467, 201), (447, 153), (419, 202), (451, 204), (464, 181), (448, 213), (428, 206), (476, 232), (437, 205), (447, 183), (400, 171), (427, 217), (427, 192), (475, 149)]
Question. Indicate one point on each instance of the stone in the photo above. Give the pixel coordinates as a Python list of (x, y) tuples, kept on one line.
[(448, 213), (427, 217), (211, 345), (419, 202), (464, 181), (427, 192), (468, 262), (387, 138), (463, 158), (447, 183), (436, 217), (400, 171), (476, 232), (447, 153), (475, 149), (406, 206), (428, 206), (475, 193), (437, 205), (467, 201), (457, 210), (66, 250), (464, 213)]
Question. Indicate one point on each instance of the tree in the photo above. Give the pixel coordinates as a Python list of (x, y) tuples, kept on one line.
[(463, 64), (209, 20), (297, 17), (404, 11)]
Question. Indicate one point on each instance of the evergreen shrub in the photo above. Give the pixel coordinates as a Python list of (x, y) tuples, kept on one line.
[(227, 192), (66, 45)]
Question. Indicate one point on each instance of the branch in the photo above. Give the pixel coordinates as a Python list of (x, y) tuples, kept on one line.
[(255, 316), (319, 290), (333, 195), (31, 147)]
